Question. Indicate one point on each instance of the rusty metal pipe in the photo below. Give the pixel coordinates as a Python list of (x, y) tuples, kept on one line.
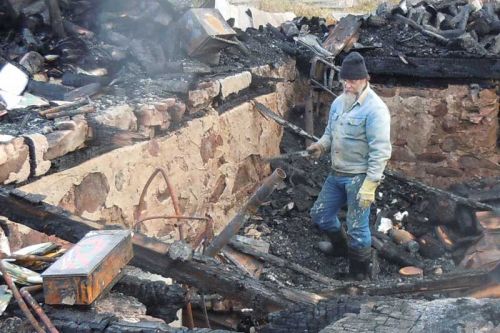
[(177, 209), (171, 191), (262, 194), (19, 299), (26, 293), (31, 257), (139, 223)]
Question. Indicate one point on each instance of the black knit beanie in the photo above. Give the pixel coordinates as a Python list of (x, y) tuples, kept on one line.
[(353, 67)]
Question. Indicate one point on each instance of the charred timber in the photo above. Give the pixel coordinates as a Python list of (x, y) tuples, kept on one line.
[(279, 262), (458, 199), (161, 300), (152, 255), (455, 68), (392, 253), (55, 18), (261, 195), (460, 282)]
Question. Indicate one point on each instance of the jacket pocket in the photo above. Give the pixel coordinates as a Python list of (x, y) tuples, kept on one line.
[(355, 127)]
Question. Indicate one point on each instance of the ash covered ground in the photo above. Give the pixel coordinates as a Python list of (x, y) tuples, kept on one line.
[(292, 235)]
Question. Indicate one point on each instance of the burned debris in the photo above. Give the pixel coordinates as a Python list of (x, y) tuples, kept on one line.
[(157, 122)]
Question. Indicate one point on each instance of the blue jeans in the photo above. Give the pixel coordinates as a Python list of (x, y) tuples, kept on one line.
[(336, 192)]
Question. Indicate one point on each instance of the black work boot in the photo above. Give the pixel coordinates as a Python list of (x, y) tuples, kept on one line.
[(337, 244), (360, 263)]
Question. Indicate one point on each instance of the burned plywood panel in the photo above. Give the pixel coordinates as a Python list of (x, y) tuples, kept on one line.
[(344, 35)]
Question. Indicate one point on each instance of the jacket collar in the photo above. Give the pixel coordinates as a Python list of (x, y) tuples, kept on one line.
[(362, 97)]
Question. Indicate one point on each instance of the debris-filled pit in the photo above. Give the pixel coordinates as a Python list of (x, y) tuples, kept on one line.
[(152, 134)]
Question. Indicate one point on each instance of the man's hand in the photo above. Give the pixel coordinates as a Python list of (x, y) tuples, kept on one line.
[(366, 194), (315, 150)]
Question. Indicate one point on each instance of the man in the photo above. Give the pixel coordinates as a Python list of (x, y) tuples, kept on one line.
[(358, 138)]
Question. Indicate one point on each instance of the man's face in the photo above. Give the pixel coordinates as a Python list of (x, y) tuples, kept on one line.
[(354, 86)]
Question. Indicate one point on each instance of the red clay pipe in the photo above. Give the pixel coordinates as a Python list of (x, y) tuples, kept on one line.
[(26, 293), (19, 299), (261, 195)]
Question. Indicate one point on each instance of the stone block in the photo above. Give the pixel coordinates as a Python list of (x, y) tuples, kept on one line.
[(402, 154), (177, 111), (38, 148), (14, 160), (451, 143), (148, 115), (450, 124), (119, 116), (203, 95), (444, 172), (70, 136), (432, 157), (235, 83), (473, 162)]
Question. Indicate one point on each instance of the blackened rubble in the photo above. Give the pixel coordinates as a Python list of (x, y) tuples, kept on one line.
[(133, 41), (285, 223)]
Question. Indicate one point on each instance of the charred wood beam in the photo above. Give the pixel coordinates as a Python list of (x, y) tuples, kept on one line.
[(392, 253), (458, 199), (452, 282), (56, 18), (460, 20), (414, 25), (486, 195), (250, 207), (456, 68), (152, 255), (161, 300), (84, 320), (279, 262)]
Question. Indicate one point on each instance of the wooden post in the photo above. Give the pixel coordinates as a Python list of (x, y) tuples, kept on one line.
[(56, 18), (309, 116)]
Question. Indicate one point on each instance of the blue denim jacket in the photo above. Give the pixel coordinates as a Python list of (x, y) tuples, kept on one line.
[(359, 139)]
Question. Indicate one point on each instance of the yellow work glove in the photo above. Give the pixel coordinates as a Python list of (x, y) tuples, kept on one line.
[(366, 194), (315, 150)]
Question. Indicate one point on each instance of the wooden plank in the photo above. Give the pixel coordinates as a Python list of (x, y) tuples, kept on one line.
[(443, 68), (448, 283), (345, 34)]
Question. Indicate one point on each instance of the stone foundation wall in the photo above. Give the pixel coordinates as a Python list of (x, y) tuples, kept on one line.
[(441, 136), (214, 164), (444, 136)]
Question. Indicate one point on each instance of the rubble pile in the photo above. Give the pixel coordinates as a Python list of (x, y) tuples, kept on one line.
[(400, 208), (435, 28), (119, 73), (92, 76)]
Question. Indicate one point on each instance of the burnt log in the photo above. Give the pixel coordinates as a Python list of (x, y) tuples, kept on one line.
[(421, 186), (393, 253), (161, 300), (424, 31), (312, 318), (456, 283), (48, 90), (81, 320), (279, 262), (79, 80), (56, 20), (450, 68), (151, 255)]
